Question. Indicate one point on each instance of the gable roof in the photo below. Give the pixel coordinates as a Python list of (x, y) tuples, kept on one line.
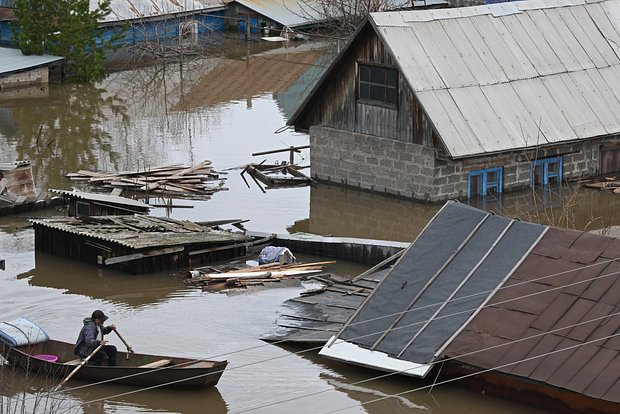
[(289, 13), (500, 295), (146, 9), (509, 76)]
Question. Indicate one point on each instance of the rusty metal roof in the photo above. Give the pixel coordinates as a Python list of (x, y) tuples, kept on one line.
[(138, 232), (569, 278)]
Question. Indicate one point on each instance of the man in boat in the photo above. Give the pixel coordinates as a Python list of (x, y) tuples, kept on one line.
[(91, 336)]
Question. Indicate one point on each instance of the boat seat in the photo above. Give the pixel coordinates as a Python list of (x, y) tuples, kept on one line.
[(156, 364), (76, 361)]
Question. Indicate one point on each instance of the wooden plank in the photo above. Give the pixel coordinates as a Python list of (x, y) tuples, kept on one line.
[(234, 246), (142, 255), (3, 183), (157, 364)]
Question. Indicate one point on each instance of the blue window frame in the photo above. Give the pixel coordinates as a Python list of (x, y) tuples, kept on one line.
[(484, 182), (546, 172)]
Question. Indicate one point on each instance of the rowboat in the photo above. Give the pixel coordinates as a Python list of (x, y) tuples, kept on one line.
[(56, 359)]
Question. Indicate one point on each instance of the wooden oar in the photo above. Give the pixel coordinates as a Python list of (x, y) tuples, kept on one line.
[(129, 348), (84, 362)]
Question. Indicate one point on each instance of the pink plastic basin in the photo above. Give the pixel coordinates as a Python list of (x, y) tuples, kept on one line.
[(46, 357)]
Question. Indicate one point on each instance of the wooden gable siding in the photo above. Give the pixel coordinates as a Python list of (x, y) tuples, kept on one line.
[(336, 105)]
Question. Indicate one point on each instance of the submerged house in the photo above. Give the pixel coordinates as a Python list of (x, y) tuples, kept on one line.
[(17, 69), (272, 18), (150, 21), (439, 104), (515, 309)]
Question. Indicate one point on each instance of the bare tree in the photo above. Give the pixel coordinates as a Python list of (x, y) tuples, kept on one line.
[(339, 19)]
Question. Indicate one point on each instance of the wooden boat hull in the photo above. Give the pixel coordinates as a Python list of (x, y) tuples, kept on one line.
[(179, 372)]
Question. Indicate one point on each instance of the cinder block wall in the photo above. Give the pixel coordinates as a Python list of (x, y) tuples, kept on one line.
[(372, 163), (409, 170)]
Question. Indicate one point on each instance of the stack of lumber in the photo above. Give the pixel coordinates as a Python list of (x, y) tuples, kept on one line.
[(609, 184), (172, 180), (253, 275)]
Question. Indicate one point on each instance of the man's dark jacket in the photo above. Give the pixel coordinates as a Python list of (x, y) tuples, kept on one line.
[(87, 340)]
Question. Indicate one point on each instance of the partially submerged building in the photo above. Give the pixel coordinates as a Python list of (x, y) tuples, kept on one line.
[(520, 310), (151, 21), (439, 104), (272, 18), (17, 69), (137, 243)]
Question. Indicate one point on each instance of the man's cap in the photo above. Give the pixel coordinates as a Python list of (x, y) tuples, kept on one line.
[(99, 315)]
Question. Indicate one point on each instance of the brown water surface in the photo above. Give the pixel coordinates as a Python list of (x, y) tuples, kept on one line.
[(220, 108)]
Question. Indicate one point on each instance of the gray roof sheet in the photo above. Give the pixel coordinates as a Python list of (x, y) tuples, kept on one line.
[(291, 13), (439, 283), (136, 9), (103, 198), (554, 61), (13, 60), (139, 232)]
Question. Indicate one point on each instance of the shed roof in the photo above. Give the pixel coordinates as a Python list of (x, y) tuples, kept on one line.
[(510, 76), (103, 198), (139, 9), (138, 232), (539, 304), (13, 60)]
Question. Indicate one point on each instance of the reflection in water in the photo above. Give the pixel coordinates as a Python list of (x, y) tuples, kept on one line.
[(99, 283), (65, 132), (17, 388)]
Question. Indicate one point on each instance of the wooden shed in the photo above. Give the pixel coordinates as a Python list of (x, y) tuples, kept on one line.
[(139, 244), (93, 204)]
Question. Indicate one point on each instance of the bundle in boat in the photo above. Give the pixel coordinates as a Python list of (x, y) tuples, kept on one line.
[(199, 181)]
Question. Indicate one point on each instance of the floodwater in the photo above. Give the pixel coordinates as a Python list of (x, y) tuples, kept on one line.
[(221, 108)]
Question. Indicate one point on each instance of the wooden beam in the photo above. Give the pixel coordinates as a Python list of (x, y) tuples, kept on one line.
[(296, 149), (234, 246), (142, 255)]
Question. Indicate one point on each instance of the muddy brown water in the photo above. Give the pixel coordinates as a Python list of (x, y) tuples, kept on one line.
[(223, 109)]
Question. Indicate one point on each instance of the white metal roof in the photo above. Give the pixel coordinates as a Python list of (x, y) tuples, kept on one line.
[(136, 9), (13, 60), (509, 76), (290, 13)]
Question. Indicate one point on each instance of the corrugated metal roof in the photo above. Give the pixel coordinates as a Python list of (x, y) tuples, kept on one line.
[(103, 198), (138, 232), (569, 279), (291, 13), (8, 166), (136, 9), (13, 60), (529, 45)]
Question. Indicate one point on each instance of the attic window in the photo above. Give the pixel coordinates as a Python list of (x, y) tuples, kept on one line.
[(377, 84)]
